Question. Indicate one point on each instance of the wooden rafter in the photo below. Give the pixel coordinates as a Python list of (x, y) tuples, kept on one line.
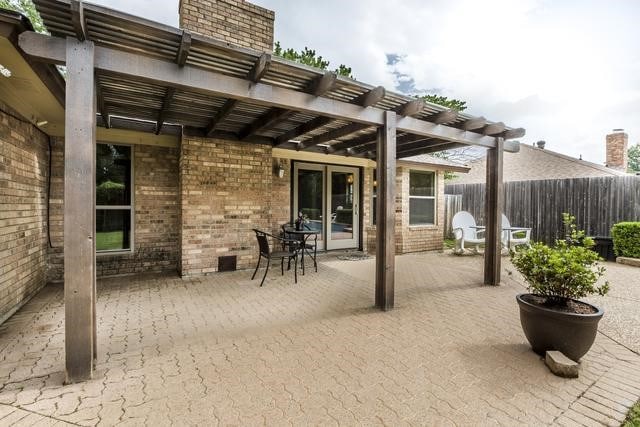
[(430, 148), (222, 113), (475, 123), (370, 98), (265, 121), (332, 135), (444, 116), (260, 68), (494, 129), (342, 147), (513, 133), (102, 108), (183, 50), (322, 84), (411, 108), (302, 129), (166, 105), (78, 20)]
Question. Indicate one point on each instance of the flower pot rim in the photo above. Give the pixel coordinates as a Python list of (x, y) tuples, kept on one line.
[(599, 313)]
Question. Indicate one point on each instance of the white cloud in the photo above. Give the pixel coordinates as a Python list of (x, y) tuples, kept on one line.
[(567, 71)]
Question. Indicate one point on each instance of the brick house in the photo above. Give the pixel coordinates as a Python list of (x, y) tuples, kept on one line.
[(189, 158)]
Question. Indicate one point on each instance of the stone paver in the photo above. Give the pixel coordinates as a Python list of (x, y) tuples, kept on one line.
[(219, 350)]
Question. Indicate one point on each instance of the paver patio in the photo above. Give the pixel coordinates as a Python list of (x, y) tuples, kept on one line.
[(220, 350)]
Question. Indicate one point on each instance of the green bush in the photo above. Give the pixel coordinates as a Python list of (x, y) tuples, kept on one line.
[(626, 239), (569, 269)]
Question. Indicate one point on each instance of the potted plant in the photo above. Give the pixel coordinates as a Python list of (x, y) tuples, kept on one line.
[(552, 316)]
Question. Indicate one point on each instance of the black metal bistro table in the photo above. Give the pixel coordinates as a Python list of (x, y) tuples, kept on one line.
[(303, 236)]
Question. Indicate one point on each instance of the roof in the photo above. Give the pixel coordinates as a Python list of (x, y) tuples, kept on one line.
[(239, 103), (436, 162), (533, 163)]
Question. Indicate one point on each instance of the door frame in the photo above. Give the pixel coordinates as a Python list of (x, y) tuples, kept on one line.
[(296, 164), (355, 240)]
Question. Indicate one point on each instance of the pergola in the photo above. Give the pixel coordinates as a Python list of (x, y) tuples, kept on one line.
[(127, 72)]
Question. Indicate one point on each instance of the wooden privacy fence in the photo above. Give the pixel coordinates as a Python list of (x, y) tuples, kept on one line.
[(452, 204), (597, 203)]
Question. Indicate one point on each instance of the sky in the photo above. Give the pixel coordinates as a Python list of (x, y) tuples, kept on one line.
[(568, 71)]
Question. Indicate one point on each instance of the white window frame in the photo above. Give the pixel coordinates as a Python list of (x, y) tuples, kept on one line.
[(120, 207), (434, 198)]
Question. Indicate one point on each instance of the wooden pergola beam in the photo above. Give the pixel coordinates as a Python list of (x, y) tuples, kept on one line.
[(342, 147), (323, 84), (332, 135), (494, 201), (401, 141), (78, 20), (102, 108), (386, 213), (494, 128), (222, 113), (430, 148), (166, 105), (260, 68), (190, 78), (183, 50), (370, 98), (265, 121), (444, 116), (513, 133), (302, 129), (79, 212), (411, 108), (475, 123)]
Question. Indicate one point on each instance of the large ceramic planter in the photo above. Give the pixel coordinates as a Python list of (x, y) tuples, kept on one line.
[(546, 329)]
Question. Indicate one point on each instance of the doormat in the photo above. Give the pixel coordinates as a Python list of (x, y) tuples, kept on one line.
[(356, 256)]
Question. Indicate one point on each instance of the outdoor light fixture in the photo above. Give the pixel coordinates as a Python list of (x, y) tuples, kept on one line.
[(42, 123), (279, 169)]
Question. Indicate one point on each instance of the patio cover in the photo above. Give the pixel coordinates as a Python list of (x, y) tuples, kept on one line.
[(152, 77)]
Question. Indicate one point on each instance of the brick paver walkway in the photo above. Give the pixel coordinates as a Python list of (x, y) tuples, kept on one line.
[(220, 350)]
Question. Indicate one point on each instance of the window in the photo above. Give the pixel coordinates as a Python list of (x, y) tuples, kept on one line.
[(422, 200), (374, 198), (113, 198)]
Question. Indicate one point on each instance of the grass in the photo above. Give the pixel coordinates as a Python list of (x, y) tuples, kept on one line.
[(633, 417), (449, 243), (109, 240)]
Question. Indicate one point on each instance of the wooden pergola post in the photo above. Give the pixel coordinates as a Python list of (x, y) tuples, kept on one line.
[(494, 201), (79, 211), (386, 212)]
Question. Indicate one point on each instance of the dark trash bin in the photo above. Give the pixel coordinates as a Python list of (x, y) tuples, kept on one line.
[(604, 247)]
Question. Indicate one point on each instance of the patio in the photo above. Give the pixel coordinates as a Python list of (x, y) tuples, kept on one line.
[(220, 350)]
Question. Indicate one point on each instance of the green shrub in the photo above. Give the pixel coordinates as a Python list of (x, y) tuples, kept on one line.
[(569, 269), (626, 239)]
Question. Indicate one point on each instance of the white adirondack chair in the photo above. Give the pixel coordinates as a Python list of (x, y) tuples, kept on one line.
[(509, 239), (464, 231)]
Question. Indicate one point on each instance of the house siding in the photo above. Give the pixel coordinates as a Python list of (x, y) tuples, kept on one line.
[(156, 215), (23, 210)]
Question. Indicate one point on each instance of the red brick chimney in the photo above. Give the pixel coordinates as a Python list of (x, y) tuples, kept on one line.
[(617, 150), (234, 21)]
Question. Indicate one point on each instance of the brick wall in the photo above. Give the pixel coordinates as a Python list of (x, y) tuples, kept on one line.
[(227, 189), (23, 228), (156, 218), (235, 21), (409, 238)]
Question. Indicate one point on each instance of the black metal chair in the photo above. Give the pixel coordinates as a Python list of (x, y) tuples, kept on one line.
[(306, 243), (289, 252)]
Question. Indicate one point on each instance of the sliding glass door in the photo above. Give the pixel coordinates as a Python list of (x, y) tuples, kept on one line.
[(328, 197)]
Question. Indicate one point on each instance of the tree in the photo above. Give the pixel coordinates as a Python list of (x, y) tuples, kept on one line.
[(454, 104), (308, 57), (634, 159), (28, 9)]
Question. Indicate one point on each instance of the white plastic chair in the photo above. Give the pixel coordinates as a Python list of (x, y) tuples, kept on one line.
[(509, 239), (465, 231)]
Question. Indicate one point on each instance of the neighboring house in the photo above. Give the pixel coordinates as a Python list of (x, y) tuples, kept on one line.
[(538, 162)]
